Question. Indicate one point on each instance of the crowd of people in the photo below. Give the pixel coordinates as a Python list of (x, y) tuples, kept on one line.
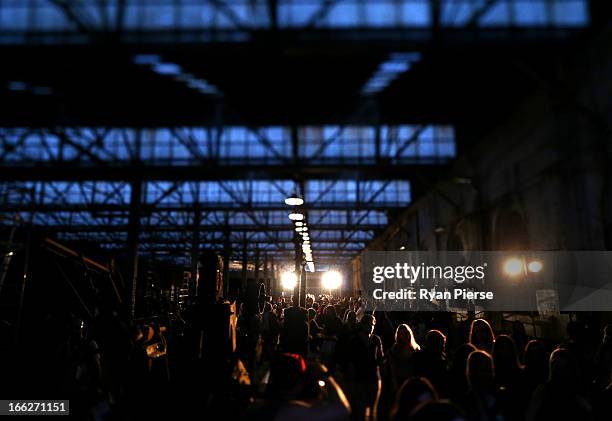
[(418, 366), (329, 359)]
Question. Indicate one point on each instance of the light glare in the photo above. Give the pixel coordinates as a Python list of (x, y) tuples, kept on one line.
[(513, 266), (296, 216), (289, 280), (535, 266), (331, 280), (294, 201)]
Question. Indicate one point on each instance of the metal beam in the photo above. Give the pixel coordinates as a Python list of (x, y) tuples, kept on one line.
[(119, 209), (334, 169), (208, 228)]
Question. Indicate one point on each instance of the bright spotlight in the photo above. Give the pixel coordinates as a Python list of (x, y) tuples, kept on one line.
[(534, 266), (331, 280), (294, 201), (289, 280), (298, 223), (296, 216), (513, 266)]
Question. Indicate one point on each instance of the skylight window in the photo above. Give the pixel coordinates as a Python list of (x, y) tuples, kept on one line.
[(174, 70), (389, 70)]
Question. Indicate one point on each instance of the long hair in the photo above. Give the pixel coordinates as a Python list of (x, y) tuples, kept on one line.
[(413, 343), (481, 335)]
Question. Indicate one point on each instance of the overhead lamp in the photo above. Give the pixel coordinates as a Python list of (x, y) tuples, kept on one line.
[(298, 223), (535, 266), (514, 266), (299, 229), (295, 216), (294, 200)]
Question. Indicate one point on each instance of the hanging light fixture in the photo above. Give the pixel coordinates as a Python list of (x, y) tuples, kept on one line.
[(294, 200), (296, 216)]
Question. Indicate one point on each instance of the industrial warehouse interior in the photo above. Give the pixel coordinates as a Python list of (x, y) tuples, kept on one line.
[(306, 209)]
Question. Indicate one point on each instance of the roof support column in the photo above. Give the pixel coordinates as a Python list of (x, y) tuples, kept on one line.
[(133, 241)]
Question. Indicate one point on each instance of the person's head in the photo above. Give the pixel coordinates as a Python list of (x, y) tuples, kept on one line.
[(535, 353), (438, 411), (536, 358), (481, 335), (405, 338), (460, 358), (504, 353), (367, 324), (330, 311), (607, 334), (267, 307), (414, 391), (315, 306), (351, 317), (436, 342), (287, 376), (575, 331), (480, 371), (312, 313), (562, 367)]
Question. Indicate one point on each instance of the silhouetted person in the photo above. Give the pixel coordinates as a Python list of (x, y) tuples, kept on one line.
[(438, 411), (349, 329), (519, 336), (431, 362), (385, 330), (400, 357), (559, 398), (350, 320), (481, 402), (505, 360), (270, 330), (603, 360), (457, 377), (364, 371), (294, 333), (507, 378), (332, 324), (412, 392), (535, 369), (481, 335)]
